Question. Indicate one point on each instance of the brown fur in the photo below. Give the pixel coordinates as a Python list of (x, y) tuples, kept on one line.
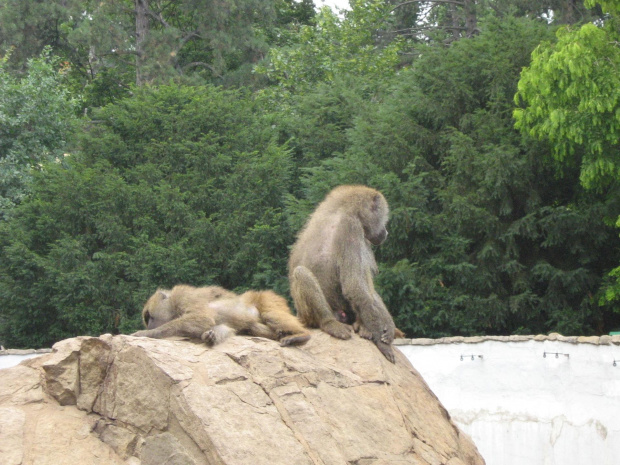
[(213, 314), (332, 265)]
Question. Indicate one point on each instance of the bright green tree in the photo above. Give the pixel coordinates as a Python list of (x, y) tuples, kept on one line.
[(571, 97)]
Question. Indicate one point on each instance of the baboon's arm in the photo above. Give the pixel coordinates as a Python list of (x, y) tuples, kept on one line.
[(370, 308), (192, 326), (356, 280)]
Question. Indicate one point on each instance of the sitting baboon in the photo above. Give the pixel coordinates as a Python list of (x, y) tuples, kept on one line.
[(332, 265), (213, 314)]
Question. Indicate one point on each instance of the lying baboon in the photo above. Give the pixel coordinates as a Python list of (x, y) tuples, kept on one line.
[(213, 314), (332, 265)]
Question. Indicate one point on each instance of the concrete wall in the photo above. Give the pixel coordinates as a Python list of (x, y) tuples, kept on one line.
[(522, 408), (519, 407)]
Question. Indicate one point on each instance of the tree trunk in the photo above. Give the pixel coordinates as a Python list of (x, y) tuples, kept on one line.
[(142, 27), (454, 16), (471, 22)]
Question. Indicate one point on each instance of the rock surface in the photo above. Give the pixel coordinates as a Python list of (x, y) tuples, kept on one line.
[(127, 400)]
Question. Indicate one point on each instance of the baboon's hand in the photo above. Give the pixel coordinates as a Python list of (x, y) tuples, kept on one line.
[(141, 333), (387, 351), (386, 337), (209, 337), (337, 329), (217, 334)]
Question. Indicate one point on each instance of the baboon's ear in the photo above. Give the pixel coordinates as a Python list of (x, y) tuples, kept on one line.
[(164, 294)]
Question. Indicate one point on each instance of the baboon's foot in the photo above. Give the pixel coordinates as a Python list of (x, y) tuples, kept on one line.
[(295, 339), (387, 351), (362, 331), (336, 329)]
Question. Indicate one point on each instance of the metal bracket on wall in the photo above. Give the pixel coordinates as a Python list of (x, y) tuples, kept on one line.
[(557, 354)]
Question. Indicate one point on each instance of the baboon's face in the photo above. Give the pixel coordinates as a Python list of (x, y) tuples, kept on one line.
[(378, 238), (156, 311), (375, 220), (152, 322)]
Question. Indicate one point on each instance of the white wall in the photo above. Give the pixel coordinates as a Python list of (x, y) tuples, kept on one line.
[(9, 358), (521, 408)]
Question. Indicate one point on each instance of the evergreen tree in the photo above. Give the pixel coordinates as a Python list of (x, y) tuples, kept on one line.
[(485, 238), (174, 185)]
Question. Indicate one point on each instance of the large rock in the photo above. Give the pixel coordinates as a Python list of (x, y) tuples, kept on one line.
[(127, 400)]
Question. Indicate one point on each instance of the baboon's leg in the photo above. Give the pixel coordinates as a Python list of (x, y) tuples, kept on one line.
[(287, 329), (276, 315), (262, 330), (290, 329), (312, 307)]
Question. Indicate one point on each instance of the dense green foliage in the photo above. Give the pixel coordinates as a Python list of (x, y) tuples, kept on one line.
[(174, 185), (484, 237), (182, 181), (36, 118)]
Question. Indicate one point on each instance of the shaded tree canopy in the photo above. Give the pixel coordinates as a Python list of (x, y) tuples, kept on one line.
[(108, 46)]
